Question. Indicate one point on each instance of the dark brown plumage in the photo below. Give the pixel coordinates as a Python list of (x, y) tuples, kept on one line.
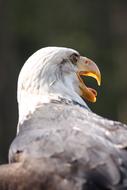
[(61, 144), (90, 151)]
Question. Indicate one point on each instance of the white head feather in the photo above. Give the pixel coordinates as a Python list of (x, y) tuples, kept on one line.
[(48, 74)]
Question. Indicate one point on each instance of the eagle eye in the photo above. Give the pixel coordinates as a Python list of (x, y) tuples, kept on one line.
[(74, 58)]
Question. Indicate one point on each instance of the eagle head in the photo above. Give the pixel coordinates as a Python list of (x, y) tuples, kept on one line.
[(53, 73)]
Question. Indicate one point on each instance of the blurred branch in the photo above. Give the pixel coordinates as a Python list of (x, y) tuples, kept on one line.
[(35, 174)]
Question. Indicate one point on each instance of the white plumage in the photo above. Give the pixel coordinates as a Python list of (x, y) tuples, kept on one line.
[(78, 149), (48, 74)]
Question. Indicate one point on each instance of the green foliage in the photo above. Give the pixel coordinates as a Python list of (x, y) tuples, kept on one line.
[(96, 28)]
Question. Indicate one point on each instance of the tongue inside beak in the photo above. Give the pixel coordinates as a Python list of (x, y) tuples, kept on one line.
[(86, 67), (88, 93)]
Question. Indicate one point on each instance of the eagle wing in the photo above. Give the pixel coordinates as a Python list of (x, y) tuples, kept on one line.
[(91, 147)]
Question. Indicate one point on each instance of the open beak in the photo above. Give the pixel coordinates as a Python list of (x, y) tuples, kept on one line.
[(87, 67)]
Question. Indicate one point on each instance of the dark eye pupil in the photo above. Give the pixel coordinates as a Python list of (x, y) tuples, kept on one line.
[(74, 57)]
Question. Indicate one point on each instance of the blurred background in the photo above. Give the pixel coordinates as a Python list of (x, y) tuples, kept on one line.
[(96, 28)]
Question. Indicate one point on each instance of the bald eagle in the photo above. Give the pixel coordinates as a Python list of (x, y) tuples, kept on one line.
[(55, 124)]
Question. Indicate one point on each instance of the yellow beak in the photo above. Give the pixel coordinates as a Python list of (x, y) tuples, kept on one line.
[(87, 67)]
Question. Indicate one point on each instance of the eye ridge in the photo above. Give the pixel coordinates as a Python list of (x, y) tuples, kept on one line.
[(74, 58)]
